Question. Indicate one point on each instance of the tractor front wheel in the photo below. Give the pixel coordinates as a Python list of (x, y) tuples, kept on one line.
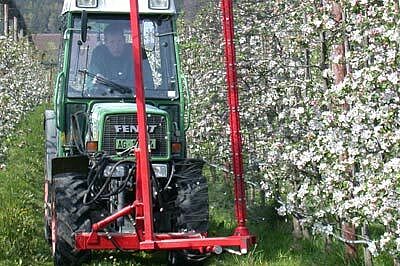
[(192, 206), (69, 215)]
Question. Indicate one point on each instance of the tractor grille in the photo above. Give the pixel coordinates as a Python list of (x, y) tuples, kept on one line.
[(124, 127)]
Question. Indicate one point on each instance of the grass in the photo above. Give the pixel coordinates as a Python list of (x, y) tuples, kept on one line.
[(21, 219), (21, 201)]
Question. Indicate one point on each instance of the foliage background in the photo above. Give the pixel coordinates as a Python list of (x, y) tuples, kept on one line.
[(23, 85), (308, 136)]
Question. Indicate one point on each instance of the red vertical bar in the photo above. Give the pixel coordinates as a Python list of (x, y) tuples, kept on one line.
[(145, 188), (139, 214), (234, 119)]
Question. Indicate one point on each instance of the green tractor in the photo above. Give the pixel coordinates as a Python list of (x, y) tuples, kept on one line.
[(92, 132)]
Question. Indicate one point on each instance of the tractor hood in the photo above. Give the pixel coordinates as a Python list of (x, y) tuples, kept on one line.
[(111, 122), (102, 109)]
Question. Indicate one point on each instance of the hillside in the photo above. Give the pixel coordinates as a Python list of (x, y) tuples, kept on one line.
[(43, 16), (40, 16)]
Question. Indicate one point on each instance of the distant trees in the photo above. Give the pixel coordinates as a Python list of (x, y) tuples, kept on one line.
[(40, 16), (191, 8), (23, 86), (43, 16)]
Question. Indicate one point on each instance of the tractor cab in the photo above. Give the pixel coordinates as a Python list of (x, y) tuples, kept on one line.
[(102, 67)]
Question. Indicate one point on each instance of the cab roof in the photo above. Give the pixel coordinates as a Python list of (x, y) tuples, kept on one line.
[(116, 6)]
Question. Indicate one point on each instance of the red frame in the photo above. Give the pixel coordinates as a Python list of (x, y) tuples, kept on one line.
[(145, 238)]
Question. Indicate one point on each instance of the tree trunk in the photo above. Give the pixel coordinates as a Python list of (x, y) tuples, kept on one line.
[(328, 244), (1, 18), (306, 233), (228, 177), (339, 70), (346, 47), (349, 234), (297, 232), (15, 28), (367, 255), (20, 33), (250, 195), (5, 19), (213, 172), (307, 73), (262, 198), (397, 10), (339, 67), (323, 55)]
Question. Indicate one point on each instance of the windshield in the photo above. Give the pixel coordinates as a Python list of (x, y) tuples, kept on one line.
[(102, 67)]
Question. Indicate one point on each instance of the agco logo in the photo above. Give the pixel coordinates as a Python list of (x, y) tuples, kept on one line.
[(133, 128)]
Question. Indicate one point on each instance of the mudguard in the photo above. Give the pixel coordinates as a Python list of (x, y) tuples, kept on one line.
[(73, 164)]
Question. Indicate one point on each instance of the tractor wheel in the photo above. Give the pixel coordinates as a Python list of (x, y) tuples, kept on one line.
[(192, 205), (69, 216)]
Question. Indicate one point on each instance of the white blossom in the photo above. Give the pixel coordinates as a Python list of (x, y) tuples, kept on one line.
[(327, 150)]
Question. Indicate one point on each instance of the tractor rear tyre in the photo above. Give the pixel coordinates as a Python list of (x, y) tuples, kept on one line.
[(192, 205), (69, 215)]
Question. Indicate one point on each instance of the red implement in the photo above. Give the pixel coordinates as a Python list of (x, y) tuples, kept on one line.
[(144, 238)]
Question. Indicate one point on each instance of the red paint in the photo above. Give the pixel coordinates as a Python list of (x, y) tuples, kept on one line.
[(103, 223), (143, 192), (112, 241), (234, 119)]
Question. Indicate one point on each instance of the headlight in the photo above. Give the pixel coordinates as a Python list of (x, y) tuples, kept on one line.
[(119, 171), (159, 4), (86, 3), (160, 170)]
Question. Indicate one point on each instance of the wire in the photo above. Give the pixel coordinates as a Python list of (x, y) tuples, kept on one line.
[(116, 245), (76, 131), (120, 188), (170, 176), (101, 166), (96, 192)]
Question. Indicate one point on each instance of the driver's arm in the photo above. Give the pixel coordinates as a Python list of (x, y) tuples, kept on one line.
[(97, 66), (97, 62)]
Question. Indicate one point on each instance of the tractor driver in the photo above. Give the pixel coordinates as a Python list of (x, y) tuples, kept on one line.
[(113, 61)]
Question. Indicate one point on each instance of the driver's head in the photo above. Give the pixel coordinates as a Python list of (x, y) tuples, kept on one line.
[(114, 39)]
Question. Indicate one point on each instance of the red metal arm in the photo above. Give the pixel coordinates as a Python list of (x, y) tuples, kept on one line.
[(144, 190), (234, 119)]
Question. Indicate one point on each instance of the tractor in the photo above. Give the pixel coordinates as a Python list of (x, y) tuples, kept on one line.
[(117, 176)]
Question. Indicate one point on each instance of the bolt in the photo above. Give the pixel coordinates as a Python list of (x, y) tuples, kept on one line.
[(217, 250)]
